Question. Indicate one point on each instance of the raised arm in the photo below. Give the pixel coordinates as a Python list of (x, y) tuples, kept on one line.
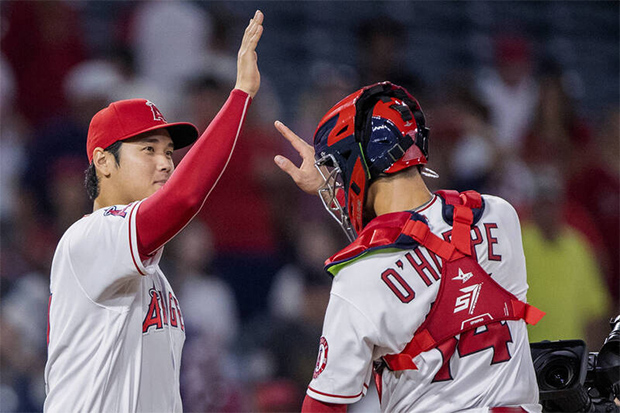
[(162, 215)]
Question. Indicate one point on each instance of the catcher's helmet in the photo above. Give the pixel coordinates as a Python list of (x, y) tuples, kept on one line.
[(380, 129)]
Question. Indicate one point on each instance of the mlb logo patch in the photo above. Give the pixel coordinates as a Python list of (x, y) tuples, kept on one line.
[(115, 211)]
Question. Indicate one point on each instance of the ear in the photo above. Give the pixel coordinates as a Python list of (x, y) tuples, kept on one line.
[(103, 161)]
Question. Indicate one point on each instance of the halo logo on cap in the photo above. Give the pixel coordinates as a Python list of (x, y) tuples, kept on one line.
[(157, 115)]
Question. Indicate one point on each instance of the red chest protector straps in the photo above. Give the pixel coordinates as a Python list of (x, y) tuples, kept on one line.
[(468, 297)]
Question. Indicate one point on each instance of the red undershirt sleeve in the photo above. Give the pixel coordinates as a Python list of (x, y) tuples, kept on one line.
[(314, 406), (162, 215)]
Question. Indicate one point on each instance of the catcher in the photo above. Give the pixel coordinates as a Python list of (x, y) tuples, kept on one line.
[(430, 296)]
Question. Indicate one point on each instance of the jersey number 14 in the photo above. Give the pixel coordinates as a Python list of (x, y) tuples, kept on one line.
[(495, 336)]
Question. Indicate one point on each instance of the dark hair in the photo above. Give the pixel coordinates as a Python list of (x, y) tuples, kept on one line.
[(91, 181)]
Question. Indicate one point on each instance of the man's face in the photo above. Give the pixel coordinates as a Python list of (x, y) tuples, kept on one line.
[(145, 166)]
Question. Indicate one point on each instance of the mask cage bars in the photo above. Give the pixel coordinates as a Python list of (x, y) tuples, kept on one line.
[(328, 192)]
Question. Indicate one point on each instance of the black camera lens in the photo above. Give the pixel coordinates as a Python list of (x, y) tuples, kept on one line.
[(558, 374), (557, 370)]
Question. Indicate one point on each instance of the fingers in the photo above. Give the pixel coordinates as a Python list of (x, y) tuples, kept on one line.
[(253, 42), (305, 150), (253, 32), (306, 177), (258, 17), (255, 21), (248, 75), (287, 166)]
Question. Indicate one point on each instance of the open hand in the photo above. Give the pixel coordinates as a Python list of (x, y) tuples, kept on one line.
[(248, 76), (306, 176)]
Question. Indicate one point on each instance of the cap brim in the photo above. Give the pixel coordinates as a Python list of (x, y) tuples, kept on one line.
[(181, 133)]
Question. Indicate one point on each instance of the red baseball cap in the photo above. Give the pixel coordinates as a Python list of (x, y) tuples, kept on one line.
[(127, 118)]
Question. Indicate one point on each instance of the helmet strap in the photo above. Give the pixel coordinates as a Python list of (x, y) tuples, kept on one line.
[(391, 155), (357, 195)]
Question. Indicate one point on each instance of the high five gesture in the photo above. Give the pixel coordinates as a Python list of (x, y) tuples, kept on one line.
[(248, 76)]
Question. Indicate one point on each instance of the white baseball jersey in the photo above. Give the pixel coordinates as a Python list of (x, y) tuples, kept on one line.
[(115, 326), (379, 299)]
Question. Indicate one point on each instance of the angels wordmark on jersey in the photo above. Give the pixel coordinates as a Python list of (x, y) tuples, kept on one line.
[(109, 310), (160, 309), (381, 297)]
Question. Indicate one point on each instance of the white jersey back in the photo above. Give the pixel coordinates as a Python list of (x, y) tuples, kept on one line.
[(115, 327), (380, 299)]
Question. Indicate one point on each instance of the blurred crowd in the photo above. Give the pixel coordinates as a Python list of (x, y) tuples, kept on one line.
[(248, 271)]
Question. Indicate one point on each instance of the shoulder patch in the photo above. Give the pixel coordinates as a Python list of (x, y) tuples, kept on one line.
[(321, 360)]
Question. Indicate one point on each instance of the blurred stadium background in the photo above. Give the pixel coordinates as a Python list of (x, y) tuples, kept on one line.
[(522, 100)]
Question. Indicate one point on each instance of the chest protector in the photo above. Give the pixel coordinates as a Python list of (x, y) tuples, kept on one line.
[(468, 297)]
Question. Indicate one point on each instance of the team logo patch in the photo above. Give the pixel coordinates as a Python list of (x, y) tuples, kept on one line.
[(321, 360), (157, 115)]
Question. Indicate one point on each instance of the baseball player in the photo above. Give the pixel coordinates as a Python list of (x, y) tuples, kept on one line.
[(116, 328), (429, 298)]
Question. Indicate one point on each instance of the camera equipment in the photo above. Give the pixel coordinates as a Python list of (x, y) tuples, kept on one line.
[(572, 380)]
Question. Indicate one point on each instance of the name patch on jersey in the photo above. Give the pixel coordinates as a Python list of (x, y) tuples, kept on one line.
[(428, 266)]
